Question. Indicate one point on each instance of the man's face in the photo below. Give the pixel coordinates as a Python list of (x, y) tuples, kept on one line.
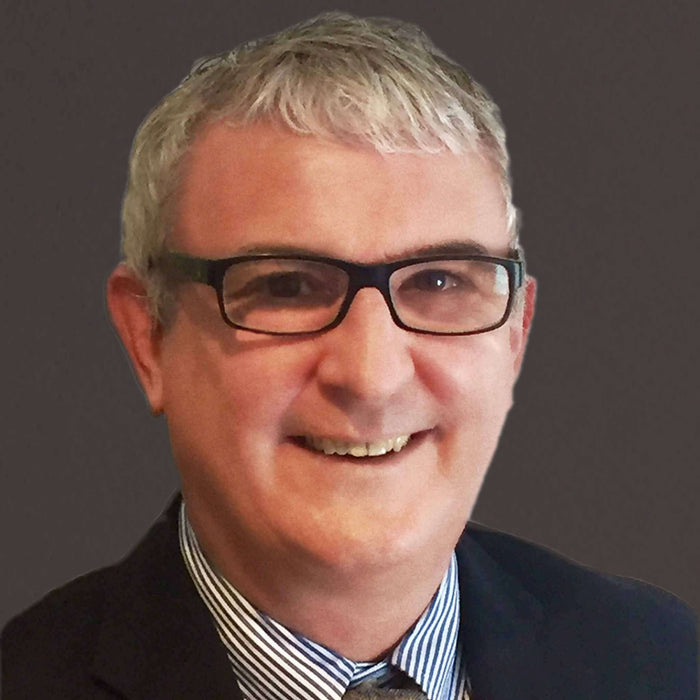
[(239, 404)]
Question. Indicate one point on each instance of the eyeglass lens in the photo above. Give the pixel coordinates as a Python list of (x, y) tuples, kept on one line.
[(297, 296)]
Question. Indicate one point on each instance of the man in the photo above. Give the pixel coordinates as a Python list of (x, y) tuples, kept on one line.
[(323, 292)]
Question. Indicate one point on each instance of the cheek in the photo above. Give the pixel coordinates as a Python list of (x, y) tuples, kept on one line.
[(475, 387), (234, 392), (225, 433), (266, 382), (472, 376)]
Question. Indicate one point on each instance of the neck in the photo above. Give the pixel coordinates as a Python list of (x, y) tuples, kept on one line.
[(360, 611)]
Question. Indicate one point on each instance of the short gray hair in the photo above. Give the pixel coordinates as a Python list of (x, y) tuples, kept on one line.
[(371, 81)]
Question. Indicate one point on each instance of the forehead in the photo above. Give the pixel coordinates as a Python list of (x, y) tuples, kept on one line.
[(259, 187)]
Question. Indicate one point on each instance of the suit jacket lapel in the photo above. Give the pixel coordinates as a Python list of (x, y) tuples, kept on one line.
[(157, 639), (501, 628)]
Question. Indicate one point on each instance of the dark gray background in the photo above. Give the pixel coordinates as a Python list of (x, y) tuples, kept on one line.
[(598, 459)]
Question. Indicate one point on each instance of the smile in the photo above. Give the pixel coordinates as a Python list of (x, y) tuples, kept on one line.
[(357, 449)]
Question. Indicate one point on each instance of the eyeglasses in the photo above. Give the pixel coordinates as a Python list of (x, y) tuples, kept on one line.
[(304, 294)]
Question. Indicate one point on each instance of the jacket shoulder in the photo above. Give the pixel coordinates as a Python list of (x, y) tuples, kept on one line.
[(49, 645), (49, 648), (561, 583), (625, 630)]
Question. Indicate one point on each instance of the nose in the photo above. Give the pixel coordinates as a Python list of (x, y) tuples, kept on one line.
[(367, 357)]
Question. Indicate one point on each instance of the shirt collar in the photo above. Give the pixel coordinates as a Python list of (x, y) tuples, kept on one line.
[(272, 662)]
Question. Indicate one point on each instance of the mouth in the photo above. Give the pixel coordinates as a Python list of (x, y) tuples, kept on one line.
[(376, 448)]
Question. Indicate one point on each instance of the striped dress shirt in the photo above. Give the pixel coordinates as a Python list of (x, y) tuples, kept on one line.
[(272, 662)]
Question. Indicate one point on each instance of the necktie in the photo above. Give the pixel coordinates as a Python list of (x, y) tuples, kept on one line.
[(368, 691), (387, 693)]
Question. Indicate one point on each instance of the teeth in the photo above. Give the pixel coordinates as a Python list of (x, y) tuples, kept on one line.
[(357, 449)]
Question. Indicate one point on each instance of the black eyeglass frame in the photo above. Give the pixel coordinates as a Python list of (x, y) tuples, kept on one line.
[(360, 276)]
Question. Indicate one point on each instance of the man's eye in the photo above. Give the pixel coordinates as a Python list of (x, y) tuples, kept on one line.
[(286, 285), (278, 285), (432, 281), (283, 288)]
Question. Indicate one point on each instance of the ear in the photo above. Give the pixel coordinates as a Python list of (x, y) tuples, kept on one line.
[(139, 331), (521, 328)]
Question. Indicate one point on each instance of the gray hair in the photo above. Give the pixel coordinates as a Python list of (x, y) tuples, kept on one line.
[(369, 81)]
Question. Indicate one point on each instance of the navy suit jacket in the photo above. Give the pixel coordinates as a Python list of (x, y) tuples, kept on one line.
[(534, 626)]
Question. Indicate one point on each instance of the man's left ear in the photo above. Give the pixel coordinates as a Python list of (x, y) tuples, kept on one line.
[(520, 330)]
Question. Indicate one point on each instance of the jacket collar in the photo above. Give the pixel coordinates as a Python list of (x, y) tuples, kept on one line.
[(501, 625)]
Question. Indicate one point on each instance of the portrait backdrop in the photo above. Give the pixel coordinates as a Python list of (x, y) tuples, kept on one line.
[(598, 458)]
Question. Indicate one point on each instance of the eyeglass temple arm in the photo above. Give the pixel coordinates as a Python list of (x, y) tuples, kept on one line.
[(184, 267), (520, 274)]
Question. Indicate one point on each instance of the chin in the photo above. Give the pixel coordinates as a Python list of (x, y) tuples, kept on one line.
[(363, 539)]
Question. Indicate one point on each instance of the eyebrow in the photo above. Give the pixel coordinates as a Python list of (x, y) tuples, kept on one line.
[(456, 247)]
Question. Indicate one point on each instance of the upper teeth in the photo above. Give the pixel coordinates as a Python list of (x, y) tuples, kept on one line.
[(357, 449)]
